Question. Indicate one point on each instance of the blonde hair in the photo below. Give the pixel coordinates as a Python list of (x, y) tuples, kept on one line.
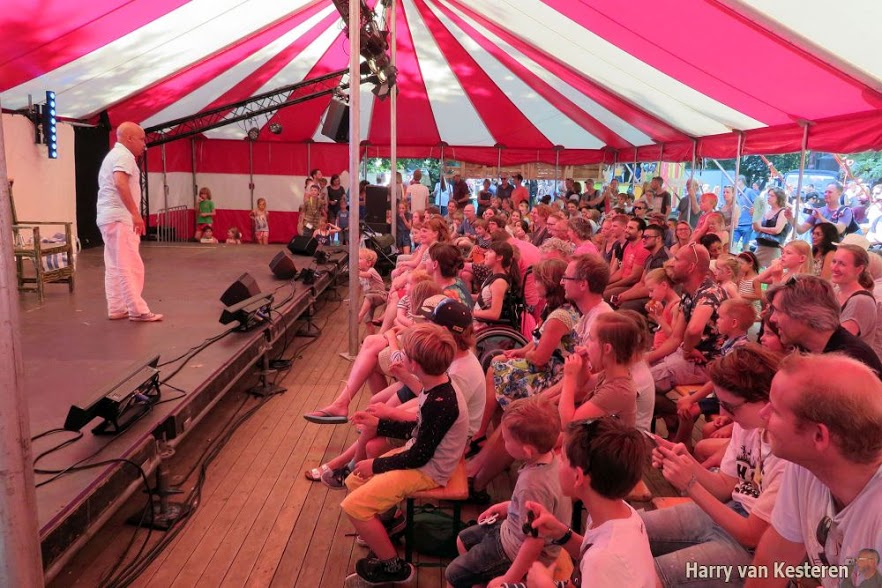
[(659, 276), (743, 311), (533, 421), (804, 249), (421, 291), (369, 255), (733, 264), (430, 346)]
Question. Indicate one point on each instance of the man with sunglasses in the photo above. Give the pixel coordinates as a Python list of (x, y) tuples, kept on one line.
[(636, 297), (695, 339), (825, 417)]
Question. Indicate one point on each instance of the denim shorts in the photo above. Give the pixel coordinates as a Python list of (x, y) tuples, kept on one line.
[(484, 560)]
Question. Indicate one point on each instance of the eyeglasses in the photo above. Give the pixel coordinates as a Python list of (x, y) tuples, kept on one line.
[(825, 528), (639, 208), (649, 237), (730, 408), (570, 278)]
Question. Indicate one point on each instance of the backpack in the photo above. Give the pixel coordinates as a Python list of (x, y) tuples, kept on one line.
[(852, 227), (434, 532)]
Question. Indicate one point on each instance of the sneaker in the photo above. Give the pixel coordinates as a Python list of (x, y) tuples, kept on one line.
[(394, 527), (115, 316), (147, 317), (377, 570), (335, 479)]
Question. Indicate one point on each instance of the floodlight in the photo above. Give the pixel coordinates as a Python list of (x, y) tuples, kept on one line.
[(253, 133), (122, 404), (250, 312), (275, 129)]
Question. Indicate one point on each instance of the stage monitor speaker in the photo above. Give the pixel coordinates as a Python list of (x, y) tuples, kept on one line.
[(283, 266), (301, 245), (336, 126), (242, 289), (376, 203)]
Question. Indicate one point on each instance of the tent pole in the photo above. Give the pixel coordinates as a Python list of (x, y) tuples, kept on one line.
[(691, 179), (393, 129), (634, 175), (798, 202), (20, 562), (441, 170), (251, 169), (498, 161), (557, 178), (734, 222), (159, 234), (354, 146)]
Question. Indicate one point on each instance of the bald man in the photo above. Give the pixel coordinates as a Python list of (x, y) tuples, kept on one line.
[(121, 225), (824, 417)]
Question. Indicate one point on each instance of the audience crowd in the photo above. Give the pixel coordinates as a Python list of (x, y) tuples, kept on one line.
[(746, 370)]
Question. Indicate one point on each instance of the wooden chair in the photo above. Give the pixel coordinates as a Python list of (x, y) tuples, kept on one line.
[(27, 245), (455, 493)]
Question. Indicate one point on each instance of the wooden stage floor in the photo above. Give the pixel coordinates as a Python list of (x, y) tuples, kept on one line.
[(260, 522)]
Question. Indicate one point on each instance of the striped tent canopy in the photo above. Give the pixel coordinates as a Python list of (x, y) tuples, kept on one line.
[(511, 81)]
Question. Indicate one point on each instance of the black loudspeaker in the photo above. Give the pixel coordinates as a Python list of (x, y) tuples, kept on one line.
[(242, 289), (336, 126), (303, 246), (376, 203), (283, 266)]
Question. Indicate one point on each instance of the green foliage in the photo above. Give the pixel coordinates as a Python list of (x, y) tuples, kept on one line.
[(376, 165), (867, 165)]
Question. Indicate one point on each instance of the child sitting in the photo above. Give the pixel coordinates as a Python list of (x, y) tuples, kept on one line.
[(428, 459), (601, 462), (404, 313), (727, 275), (663, 305), (234, 237), (373, 290), (482, 237), (207, 235), (497, 546), (734, 319)]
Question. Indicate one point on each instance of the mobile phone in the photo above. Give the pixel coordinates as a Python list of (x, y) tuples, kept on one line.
[(807, 210), (651, 437)]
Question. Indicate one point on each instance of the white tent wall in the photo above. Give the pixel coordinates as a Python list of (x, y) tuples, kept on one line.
[(228, 191), (45, 189)]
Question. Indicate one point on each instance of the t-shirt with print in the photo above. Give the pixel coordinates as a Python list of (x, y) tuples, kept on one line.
[(615, 396), (583, 327), (749, 458), (803, 503), (616, 554), (708, 293), (540, 483), (635, 254)]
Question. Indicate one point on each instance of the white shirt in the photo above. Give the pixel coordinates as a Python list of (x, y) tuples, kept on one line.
[(442, 196), (804, 501), (616, 554), (749, 458), (110, 205), (419, 197), (469, 380), (583, 327), (645, 383)]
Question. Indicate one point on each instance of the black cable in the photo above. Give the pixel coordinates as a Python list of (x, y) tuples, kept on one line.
[(201, 346)]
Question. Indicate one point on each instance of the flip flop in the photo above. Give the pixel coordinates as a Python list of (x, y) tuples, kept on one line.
[(323, 417), (315, 474)]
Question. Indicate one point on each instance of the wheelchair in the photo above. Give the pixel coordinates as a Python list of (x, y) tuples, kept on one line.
[(504, 334)]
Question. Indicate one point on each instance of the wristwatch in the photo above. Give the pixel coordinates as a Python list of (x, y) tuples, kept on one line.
[(565, 538)]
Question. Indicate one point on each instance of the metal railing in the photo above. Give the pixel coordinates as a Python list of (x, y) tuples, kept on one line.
[(173, 224)]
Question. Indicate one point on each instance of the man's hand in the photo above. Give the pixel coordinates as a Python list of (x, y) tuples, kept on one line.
[(138, 224)]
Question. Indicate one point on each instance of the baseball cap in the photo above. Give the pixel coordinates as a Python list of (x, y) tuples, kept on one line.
[(447, 312)]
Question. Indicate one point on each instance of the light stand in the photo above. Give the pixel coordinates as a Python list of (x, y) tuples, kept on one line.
[(264, 387), (165, 513)]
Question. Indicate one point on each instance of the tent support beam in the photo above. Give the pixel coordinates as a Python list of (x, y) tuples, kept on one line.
[(393, 129), (734, 222), (798, 202), (354, 147)]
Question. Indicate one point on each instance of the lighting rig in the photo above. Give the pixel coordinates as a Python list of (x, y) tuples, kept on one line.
[(45, 123)]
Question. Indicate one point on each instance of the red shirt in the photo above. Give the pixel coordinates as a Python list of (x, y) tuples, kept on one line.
[(520, 193), (634, 253)]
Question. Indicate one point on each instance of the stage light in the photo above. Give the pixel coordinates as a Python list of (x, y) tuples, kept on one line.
[(249, 313), (122, 404), (253, 133), (50, 123), (275, 129)]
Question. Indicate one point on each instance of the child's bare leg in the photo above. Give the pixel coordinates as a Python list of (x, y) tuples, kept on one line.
[(490, 403), (390, 312), (363, 368)]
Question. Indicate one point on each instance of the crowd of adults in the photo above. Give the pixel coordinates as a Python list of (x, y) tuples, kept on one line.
[(626, 301)]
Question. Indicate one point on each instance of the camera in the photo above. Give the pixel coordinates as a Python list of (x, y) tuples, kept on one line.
[(808, 210)]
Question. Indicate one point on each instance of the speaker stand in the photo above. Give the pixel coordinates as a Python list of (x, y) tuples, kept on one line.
[(165, 513), (264, 387), (309, 328)]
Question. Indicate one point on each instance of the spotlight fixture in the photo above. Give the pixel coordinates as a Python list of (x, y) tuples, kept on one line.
[(50, 125), (253, 133), (275, 129), (250, 312), (121, 405)]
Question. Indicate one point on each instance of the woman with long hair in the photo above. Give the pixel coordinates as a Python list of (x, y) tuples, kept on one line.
[(444, 264), (859, 312), (771, 231), (825, 236), (504, 276), (681, 236)]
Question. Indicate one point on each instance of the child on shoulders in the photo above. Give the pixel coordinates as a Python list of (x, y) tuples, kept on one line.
[(601, 461), (427, 460), (496, 548)]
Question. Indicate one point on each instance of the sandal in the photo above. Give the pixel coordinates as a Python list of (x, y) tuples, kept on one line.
[(315, 474)]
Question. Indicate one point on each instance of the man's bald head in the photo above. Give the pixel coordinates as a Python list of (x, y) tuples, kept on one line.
[(132, 136), (842, 394)]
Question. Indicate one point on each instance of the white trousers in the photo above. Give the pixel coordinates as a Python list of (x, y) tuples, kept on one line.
[(123, 270)]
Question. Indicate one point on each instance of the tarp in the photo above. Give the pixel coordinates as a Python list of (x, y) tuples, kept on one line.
[(568, 81)]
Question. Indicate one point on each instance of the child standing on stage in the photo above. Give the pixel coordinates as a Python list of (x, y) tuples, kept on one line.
[(260, 219), (373, 290)]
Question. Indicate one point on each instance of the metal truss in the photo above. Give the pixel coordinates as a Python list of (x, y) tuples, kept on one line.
[(261, 104)]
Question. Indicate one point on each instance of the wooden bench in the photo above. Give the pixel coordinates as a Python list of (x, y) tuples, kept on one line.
[(455, 493)]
